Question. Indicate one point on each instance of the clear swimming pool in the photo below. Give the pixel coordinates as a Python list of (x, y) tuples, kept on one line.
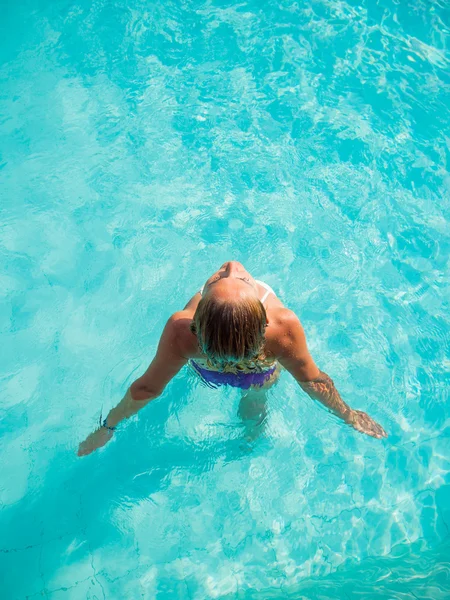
[(142, 145)]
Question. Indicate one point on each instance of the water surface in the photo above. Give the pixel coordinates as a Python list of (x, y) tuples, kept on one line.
[(142, 145)]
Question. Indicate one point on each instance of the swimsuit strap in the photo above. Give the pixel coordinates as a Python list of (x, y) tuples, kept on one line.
[(269, 290)]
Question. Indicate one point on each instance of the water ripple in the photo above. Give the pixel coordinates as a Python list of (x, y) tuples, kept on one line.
[(142, 145)]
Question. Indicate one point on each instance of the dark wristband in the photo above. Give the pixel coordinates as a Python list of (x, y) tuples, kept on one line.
[(106, 426)]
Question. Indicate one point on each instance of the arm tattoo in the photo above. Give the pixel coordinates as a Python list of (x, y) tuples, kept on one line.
[(322, 389)]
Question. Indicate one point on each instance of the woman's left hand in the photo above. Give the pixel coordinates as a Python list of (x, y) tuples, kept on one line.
[(95, 440)]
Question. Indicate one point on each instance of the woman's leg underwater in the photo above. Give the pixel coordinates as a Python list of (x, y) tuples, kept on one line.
[(253, 406)]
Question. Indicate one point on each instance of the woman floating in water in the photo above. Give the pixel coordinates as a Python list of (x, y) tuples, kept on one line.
[(234, 331)]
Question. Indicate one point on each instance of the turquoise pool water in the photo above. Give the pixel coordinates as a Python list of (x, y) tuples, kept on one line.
[(142, 145)]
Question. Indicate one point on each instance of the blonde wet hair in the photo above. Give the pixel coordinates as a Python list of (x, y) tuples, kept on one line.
[(231, 333)]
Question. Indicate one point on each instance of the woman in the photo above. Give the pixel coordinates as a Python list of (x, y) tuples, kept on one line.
[(234, 331)]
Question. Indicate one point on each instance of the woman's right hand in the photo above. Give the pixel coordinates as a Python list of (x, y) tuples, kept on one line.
[(95, 440), (365, 424)]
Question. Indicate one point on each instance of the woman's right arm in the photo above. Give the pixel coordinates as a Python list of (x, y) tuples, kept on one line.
[(167, 363), (295, 357)]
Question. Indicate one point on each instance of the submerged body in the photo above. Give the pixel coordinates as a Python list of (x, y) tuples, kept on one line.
[(210, 347)]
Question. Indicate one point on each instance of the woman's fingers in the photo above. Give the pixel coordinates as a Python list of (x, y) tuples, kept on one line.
[(365, 424), (95, 440), (83, 451)]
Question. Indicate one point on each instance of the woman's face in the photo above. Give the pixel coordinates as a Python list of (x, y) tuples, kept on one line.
[(230, 280)]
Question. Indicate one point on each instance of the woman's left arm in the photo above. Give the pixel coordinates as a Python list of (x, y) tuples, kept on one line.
[(167, 363)]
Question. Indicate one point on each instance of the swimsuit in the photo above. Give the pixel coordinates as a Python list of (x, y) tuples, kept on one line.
[(214, 379)]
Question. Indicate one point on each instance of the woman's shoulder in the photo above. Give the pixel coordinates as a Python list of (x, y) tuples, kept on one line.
[(280, 316), (186, 341), (282, 322)]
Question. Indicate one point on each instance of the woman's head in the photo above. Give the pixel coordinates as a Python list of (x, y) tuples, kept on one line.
[(230, 320)]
